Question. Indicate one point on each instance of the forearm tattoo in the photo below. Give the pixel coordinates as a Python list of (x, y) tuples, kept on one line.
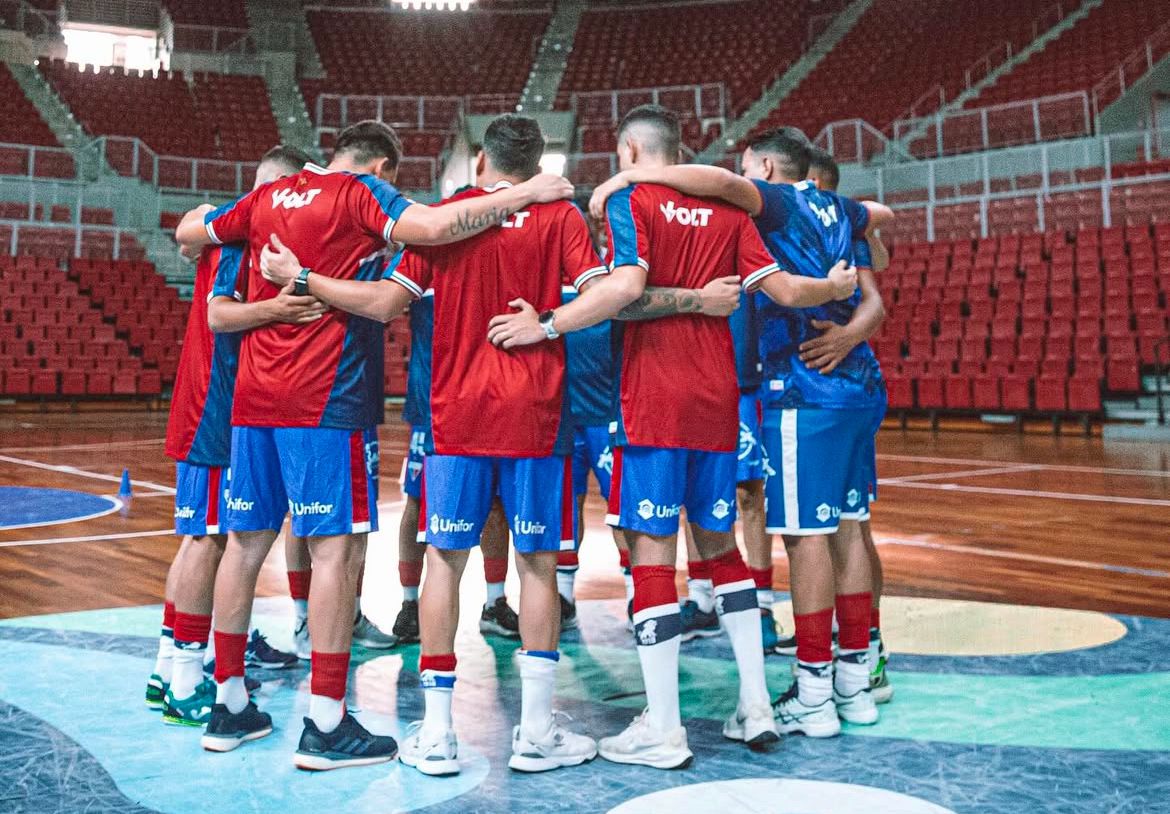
[(662, 302), (466, 223)]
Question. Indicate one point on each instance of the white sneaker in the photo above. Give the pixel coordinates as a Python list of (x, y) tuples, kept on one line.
[(754, 726), (369, 635), (818, 721), (432, 754), (858, 708), (302, 645), (560, 747), (643, 745)]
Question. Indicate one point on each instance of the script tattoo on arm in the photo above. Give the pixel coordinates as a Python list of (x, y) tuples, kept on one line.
[(466, 223), (662, 302)]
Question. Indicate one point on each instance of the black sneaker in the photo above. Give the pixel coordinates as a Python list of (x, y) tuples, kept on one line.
[(568, 615), (406, 625), (226, 731), (260, 653), (786, 645), (498, 619), (350, 744)]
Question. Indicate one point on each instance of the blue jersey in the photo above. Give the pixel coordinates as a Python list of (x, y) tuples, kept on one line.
[(589, 361), (808, 230), (746, 338), (417, 409)]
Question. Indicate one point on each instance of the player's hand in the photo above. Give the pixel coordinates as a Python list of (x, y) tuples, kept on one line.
[(720, 297), (829, 349), (602, 193), (190, 253), (843, 279), (277, 262), (548, 187), (516, 330), (289, 308)]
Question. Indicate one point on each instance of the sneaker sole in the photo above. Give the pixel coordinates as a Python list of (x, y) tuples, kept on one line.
[(668, 763), (271, 665), (758, 743), (784, 651), (495, 629), (407, 640), (810, 730), (867, 717), (882, 695), (171, 720), (691, 635), (157, 706), (432, 768), (370, 644), (321, 763), (217, 743), (522, 763)]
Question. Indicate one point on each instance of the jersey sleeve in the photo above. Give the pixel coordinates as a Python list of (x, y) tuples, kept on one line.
[(579, 260), (229, 281), (628, 244), (856, 214), (376, 205), (773, 212), (410, 270), (753, 262), (862, 256), (230, 223)]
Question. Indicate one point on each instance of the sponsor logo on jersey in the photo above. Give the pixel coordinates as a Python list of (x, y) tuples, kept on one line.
[(316, 507), (827, 216), (647, 509), (526, 526), (516, 221), (686, 217), (291, 199), (825, 511), (721, 509), (184, 512), (441, 524), (605, 460), (747, 441), (238, 504)]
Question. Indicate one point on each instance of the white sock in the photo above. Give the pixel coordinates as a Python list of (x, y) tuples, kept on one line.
[(162, 662), (538, 678), (565, 581), (741, 619), (301, 606), (495, 590), (814, 682), (765, 598), (326, 712), (852, 672), (659, 659), (233, 694), (438, 687), (629, 578), (187, 669), (835, 628), (702, 593), (410, 593)]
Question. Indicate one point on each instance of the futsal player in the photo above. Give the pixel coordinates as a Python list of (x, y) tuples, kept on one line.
[(677, 442), (304, 398), (816, 425)]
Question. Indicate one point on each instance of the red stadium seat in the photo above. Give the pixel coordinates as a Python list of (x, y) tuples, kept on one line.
[(1052, 395), (1016, 393)]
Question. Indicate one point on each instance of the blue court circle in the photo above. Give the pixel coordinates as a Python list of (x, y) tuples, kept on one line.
[(25, 506)]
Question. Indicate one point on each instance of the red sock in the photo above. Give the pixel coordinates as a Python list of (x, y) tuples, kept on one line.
[(361, 579), (298, 583), (444, 663), (728, 567), (192, 627), (410, 573), (568, 559), (699, 569), (654, 586), (814, 637), (762, 577), (330, 671), (229, 655), (495, 569), (875, 618), (853, 611), (624, 559), (168, 615)]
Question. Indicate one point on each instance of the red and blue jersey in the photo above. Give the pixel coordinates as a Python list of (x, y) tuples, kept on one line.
[(808, 231), (677, 375), (199, 430), (745, 336), (486, 401), (416, 411), (589, 362), (327, 373)]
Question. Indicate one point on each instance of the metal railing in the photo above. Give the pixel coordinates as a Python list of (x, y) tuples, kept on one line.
[(1137, 64), (20, 16), (590, 169), (212, 38), (336, 111), (987, 62), (857, 142), (78, 231), (133, 158), (1047, 19), (23, 160), (703, 101)]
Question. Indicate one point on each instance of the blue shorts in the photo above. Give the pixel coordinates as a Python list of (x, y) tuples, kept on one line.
[(412, 467), (457, 495), (816, 455), (327, 479), (201, 496), (651, 486), (592, 452), (753, 458), (866, 479)]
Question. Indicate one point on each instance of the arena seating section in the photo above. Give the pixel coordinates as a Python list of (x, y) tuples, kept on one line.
[(223, 13)]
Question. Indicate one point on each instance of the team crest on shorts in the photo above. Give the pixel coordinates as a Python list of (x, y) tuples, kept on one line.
[(721, 509)]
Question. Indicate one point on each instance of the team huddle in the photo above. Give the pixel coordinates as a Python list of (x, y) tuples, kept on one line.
[(706, 359)]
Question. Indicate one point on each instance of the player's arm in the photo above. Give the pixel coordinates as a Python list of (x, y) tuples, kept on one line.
[(878, 251), (690, 179), (227, 315), (191, 233), (718, 298), (828, 350), (880, 216), (796, 291)]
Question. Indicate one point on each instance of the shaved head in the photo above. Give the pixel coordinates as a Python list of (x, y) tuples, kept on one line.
[(654, 129)]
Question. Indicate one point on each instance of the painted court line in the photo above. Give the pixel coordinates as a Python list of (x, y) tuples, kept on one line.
[(92, 538), (115, 505), (1099, 470), (82, 473), (995, 490), (97, 445), (1016, 555), (962, 473)]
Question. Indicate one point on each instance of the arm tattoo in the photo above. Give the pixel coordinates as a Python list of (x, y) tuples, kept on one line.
[(466, 223), (662, 302)]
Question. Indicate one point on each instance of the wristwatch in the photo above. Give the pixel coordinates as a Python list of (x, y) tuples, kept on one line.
[(301, 284), (546, 323)]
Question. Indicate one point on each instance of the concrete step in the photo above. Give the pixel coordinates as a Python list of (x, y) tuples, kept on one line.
[(1136, 432)]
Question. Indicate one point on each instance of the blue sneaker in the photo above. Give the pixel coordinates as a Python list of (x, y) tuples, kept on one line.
[(156, 692), (696, 624), (193, 711), (259, 653), (768, 625), (350, 744), (225, 730)]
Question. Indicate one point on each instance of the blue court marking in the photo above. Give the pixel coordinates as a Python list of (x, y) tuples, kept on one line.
[(23, 507)]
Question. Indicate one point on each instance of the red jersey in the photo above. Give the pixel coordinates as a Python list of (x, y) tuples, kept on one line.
[(199, 430), (678, 385), (327, 373), (486, 401)]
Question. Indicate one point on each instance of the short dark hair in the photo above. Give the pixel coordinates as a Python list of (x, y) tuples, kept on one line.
[(788, 144), (514, 145), (663, 123), (825, 167), (368, 141), (293, 159)]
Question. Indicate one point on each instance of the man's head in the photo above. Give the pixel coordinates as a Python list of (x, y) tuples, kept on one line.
[(823, 171), (512, 147), (778, 156), (649, 134), (280, 162), (368, 147)]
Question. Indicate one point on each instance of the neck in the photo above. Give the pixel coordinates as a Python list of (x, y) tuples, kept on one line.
[(345, 163), (652, 162), (489, 178)]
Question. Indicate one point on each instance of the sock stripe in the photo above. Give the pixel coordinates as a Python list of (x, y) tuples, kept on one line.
[(735, 587), (650, 630), (655, 612), (550, 655), (736, 601), (436, 680)]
